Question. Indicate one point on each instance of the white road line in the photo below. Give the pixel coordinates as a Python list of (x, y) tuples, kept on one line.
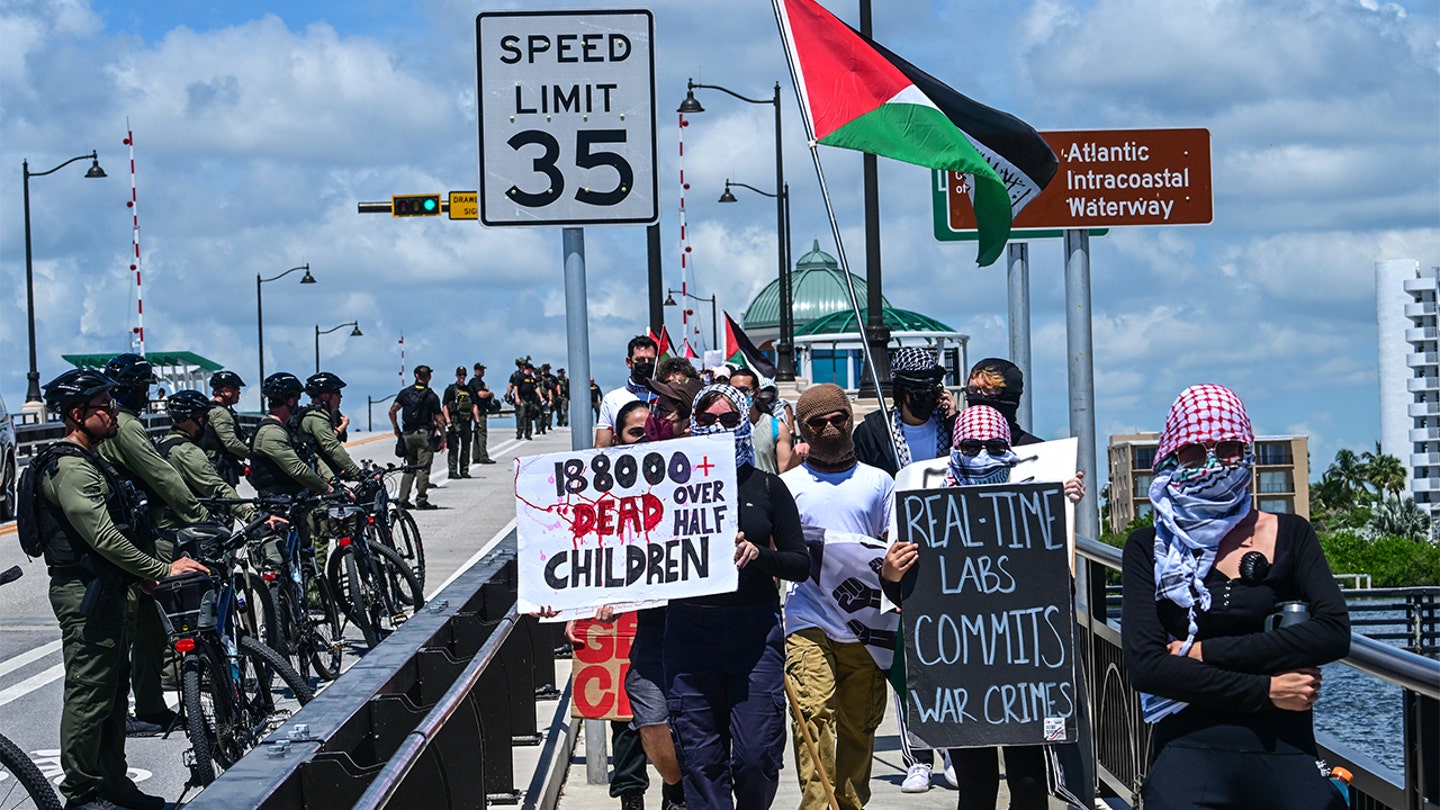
[(29, 657), (494, 541), (32, 683)]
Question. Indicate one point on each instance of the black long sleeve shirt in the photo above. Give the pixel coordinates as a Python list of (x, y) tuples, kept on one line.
[(1231, 686), (767, 515)]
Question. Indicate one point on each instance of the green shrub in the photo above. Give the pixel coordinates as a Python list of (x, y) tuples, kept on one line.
[(1391, 562)]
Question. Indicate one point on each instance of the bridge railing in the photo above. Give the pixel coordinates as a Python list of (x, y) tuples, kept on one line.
[(1122, 738), (427, 719)]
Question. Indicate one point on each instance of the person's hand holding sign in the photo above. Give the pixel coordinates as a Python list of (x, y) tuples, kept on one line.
[(899, 558), (745, 551)]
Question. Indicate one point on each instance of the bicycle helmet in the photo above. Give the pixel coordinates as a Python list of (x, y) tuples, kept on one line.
[(225, 379), (130, 370), (75, 386), (281, 385), (188, 404), (322, 382)]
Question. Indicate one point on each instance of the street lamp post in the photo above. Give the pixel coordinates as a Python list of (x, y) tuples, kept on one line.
[(785, 359), (355, 333), (714, 331), (32, 390), (260, 307), (785, 346)]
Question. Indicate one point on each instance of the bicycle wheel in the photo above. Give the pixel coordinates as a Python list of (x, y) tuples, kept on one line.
[(325, 639), (197, 694), (26, 781), (255, 609), (405, 538), (353, 592), (400, 585), (264, 666)]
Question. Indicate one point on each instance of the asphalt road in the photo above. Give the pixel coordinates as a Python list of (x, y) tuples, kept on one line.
[(474, 514)]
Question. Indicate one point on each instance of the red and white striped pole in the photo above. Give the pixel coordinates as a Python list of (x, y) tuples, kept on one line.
[(684, 235), (402, 359), (138, 339)]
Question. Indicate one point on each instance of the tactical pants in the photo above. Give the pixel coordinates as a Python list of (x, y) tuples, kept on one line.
[(458, 452), (481, 452), (417, 451), (149, 645), (527, 412), (562, 412), (92, 718), (726, 694), (547, 417), (841, 695)]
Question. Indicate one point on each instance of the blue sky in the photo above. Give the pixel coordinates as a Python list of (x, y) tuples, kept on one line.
[(259, 126)]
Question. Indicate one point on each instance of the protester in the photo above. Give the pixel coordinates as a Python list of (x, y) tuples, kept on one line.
[(640, 356), (723, 655), (630, 424), (839, 683), (773, 443), (670, 409), (921, 421), (999, 383), (982, 454), (1231, 700)]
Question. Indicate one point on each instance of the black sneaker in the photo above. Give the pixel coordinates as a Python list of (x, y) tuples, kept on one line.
[(426, 505), (92, 803), (139, 801), (135, 727), (633, 800), (486, 461), (406, 504)]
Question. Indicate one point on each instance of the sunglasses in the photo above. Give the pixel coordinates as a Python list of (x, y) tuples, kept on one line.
[(819, 422), (972, 447), (728, 420), (983, 391), (108, 406), (1195, 455)]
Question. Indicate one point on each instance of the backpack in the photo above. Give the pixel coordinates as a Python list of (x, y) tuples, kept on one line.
[(27, 511), (413, 413), (464, 406)]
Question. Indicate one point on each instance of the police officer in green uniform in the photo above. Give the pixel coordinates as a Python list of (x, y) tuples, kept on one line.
[(483, 398), (317, 427), (171, 506), (562, 399), (189, 418), (224, 443), (82, 513), (281, 463), (421, 417), (524, 392), (460, 417)]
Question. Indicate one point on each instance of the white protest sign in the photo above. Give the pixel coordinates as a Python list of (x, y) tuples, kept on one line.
[(626, 526)]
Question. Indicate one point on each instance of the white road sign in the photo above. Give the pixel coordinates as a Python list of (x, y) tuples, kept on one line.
[(567, 117)]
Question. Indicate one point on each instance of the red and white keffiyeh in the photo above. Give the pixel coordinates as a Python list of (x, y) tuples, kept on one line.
[(1204, 413)]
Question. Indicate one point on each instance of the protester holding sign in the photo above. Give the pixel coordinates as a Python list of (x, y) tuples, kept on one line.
[(724, 657), (832, 616), (1230, 696), (981, 455)]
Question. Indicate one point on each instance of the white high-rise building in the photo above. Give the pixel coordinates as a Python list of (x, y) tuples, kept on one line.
[(1405, 304)]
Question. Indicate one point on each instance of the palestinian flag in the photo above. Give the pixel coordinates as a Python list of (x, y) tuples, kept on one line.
[(855, 94), (662, 342), (739, 351), (689, 352)]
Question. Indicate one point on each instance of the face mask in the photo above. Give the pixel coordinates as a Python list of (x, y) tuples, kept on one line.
[(658, 429), (923, 402), (832, 448), (642, 370), (982, 468)]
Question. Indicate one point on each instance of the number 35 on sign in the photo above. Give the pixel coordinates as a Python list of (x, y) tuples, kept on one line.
[(567, 118)]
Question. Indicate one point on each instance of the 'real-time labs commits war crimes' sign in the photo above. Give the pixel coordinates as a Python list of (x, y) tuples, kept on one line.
[(626, 526), (988, 617)]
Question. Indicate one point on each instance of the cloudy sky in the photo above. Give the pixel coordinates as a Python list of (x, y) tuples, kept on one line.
[(259, 126)]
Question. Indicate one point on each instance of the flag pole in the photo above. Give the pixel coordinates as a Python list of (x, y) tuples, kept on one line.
[(781, 21)]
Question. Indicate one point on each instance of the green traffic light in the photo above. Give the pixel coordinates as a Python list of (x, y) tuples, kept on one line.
[(431, 203)]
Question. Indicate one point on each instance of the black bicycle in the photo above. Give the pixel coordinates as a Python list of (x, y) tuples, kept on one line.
[(392, 524), (228, 678), (374, 586), (307, 626), (21, 783)]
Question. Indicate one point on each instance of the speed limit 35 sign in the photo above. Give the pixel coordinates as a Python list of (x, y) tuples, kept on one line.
[(567, 117)]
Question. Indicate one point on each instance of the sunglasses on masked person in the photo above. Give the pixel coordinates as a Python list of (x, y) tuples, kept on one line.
[(972, 447), (819, 422), (729, 420), (1197, 454)]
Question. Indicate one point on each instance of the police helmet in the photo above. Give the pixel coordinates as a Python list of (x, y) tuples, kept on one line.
[(225, 379), (322, 382), (281, 385), (130, 370), (75, 386), (188, 404)]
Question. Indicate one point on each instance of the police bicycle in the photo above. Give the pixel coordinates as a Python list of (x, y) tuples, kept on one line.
[(228, 678), (20, 780), (372, 583), (390, 523)]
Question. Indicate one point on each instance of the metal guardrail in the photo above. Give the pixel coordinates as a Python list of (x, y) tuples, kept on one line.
[(426, 719), (1123, 739)]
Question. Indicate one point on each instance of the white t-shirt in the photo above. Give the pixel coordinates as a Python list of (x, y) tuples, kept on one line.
[(858, 501), (612, 402)]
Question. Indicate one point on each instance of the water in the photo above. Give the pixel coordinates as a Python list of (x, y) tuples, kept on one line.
[(1362, 711)]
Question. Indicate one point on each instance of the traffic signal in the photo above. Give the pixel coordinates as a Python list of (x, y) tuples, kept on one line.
[(415, 205)]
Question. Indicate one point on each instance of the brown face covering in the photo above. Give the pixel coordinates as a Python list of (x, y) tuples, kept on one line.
[(832, 447)]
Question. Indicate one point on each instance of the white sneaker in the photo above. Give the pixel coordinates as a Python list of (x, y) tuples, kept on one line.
[(917, 780), (950, 770)]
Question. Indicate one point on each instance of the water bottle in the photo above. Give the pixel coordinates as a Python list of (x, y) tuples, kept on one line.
[(1286, 614)]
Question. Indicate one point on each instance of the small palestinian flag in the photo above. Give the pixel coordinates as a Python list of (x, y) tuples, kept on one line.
[(662, 342), (689, 352), (739, 351), (855, 94)]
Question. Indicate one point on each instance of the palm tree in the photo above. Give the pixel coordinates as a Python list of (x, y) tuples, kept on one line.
[(1347, 475), (1402, 518), (1384, 472)]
